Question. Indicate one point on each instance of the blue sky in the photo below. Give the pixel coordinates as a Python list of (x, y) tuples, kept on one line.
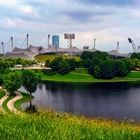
[(108, 21)]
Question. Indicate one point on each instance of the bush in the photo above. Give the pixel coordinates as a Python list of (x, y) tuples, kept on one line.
[(121, 69), (12, 82), (106, 69), (64, 67), (1, 79), (55, 63), (49, 72), (72, 63), (97, 71)]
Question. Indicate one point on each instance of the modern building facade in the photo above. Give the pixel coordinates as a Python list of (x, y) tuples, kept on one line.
[(55, 41)]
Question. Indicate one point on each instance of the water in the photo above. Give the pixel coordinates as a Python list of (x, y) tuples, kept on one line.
[(107, 100)]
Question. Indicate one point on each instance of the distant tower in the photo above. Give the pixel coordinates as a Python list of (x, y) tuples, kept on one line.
[(27, 40), (12, 43), (118, 44), (70, 38), (2, 44), (48, 40), (94, 43), (55, 41)]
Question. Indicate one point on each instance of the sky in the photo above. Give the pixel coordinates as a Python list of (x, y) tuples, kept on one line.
[(108, 21)]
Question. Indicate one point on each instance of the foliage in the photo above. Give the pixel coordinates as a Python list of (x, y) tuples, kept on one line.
[(11, 62), (53, 126), (64, 67), (48, 72), (100, 65), (120, 68), (55, 63), (135, 55), (42, 58), (12, 82), (97, 71), (73, 63), (1, 79), (30, 80)]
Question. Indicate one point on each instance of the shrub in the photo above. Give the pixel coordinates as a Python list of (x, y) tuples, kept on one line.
[(64, 67)]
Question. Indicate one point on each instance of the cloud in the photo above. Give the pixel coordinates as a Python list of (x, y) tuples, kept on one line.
[(108, 2), (107, 20)]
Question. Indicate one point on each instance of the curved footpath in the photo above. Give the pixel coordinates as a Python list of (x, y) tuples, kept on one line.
[(2, 101), (10, 103), (11, 106)]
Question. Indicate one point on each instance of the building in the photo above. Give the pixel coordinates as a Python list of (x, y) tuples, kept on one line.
[(55, 41), (28, 53)]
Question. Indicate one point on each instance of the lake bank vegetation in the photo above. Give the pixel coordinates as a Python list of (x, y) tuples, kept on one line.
[(51, 125)]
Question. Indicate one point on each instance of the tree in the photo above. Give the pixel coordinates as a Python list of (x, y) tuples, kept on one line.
[(106, 69), (54, 64), (135, 55), (64, 67), (73, 63), (120, 68), (30, 80), (97, 71), (12, 82), (1, 79)]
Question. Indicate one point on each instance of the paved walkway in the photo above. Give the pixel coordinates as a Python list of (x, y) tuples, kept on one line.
[(2, 101), (10, 104)]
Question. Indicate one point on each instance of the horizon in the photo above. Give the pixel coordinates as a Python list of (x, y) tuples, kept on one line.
[(107, 21)]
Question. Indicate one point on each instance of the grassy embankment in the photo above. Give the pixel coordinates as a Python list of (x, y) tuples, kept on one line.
[(2, 93), (53, 126), (42, 57), (26, 98), (17, 104), (4, 105), (81, 75)]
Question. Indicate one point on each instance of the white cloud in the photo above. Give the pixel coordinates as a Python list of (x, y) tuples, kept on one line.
[(8, 2)]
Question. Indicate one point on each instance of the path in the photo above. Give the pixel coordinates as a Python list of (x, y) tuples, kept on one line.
[(2, 101), (10, 104)]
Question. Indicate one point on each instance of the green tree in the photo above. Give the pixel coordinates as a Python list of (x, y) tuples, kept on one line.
[(121, 68), (1, 79), (12, 82), (64, 67), (54, 64), (30, 80), (97, 71), (73, 63), (135, 55), (106, 69)]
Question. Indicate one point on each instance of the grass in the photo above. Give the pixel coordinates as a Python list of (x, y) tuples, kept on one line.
[(4, 105), (25, 98), (81, 75), (2, 93), (54, 126), (43, 57)]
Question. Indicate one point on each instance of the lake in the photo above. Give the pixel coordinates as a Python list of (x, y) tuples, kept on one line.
[(107, 100)]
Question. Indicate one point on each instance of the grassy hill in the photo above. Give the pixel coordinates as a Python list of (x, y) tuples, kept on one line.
[(54, 126), (81, 75), (43, 57)]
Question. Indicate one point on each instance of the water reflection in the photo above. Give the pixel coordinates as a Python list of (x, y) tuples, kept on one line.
[(30, 108), (119, 100)]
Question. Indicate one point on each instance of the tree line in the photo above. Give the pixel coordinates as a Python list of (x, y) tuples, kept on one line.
[(99, 64), (13, 80)]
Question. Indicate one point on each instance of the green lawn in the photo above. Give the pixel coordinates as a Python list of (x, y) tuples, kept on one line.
[(25, 98), (2, 93), (4, 105), (81, 75), (54, 126)]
